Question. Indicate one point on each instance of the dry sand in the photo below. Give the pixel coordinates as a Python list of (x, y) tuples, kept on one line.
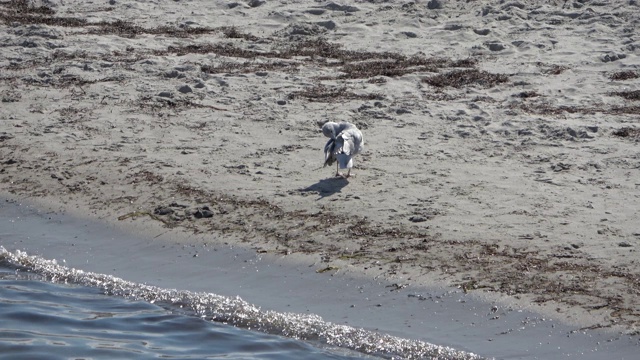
[(501, 144)]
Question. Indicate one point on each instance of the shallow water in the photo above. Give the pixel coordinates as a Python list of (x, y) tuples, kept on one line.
[(40, 319), (52, 309)]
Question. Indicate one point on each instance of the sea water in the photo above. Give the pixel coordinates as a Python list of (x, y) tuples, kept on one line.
[(45, 320), (49, 311)]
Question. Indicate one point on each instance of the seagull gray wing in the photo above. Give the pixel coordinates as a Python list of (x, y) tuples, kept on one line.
[(352, 139), (348, 144)]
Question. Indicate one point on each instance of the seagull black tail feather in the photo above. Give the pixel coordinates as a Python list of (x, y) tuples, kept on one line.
[(329, 149)]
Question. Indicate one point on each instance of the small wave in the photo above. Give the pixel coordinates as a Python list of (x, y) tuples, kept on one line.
[(237, 312)]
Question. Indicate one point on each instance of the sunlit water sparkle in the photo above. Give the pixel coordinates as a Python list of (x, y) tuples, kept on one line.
[(159, 320)]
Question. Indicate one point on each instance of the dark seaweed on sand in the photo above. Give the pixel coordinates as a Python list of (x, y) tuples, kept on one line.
[(629, 95), (23, 12), (466, 77), (624, 75), (353, 64), (26, 7), (322, 93), (627, 132), (547, 109)]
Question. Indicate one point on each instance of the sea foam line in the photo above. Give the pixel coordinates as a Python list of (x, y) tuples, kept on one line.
[(237, 312)]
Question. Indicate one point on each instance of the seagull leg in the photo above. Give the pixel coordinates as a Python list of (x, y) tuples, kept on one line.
[(338, 171)]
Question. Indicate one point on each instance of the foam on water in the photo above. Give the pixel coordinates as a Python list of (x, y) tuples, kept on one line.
[(236, 312), (44, 320)]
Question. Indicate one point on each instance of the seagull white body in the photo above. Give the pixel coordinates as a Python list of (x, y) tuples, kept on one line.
[(345, 141)]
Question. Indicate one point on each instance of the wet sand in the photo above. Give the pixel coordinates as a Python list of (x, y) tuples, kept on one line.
[(441, 316)]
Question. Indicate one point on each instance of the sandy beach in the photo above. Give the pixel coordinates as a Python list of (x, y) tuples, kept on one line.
[(501, 138)]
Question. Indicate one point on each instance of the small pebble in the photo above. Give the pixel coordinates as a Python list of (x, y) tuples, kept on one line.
[(203, 212), (495, 46), (185, 89), (256, 3)]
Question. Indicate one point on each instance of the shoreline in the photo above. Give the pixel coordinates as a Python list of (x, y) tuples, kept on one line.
[(140, 224), (437, 315)]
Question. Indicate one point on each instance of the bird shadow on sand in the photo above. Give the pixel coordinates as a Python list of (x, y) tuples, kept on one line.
[(326, 187)]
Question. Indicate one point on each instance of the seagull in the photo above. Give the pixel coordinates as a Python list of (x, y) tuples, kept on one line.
[(345, 141)]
